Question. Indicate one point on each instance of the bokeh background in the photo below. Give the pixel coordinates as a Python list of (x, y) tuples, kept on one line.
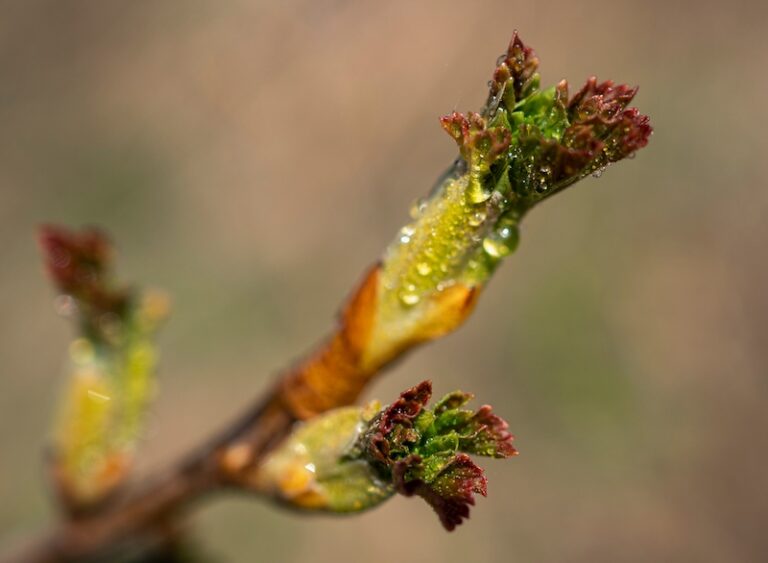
[(254, 157)]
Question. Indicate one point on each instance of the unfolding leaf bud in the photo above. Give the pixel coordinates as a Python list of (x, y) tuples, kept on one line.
[(352, 459)]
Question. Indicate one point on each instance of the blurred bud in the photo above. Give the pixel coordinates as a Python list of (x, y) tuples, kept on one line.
[(112, 365), (79, 265)]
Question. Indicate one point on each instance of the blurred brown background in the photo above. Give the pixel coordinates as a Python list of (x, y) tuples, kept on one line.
[(254, 157)]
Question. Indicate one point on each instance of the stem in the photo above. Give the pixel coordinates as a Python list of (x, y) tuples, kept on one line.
[(139, 512)]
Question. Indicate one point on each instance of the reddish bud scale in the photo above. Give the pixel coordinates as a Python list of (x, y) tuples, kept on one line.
[(79, 264)]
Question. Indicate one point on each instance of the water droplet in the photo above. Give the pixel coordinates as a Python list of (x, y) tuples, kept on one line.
[(599, 172), (501, 58), (405, 234), (110, 324), (476, 219), (299, 448), (310, 467), (65, 305), (99, 397), (502, 242), (423, 268), (477, 194), (60, 258), (418, 208), (494, 248), (408, 298), (631, 155), (81, 351)]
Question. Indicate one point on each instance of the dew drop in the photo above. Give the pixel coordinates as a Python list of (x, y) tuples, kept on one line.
[(418, 208), (477, 194), (300, 449), (65, 305), (494, 248), (423, 268), (502, 242), (476, 219), (81, 351), (60, 258), (99, 397), (408, 298), (110, 324), (405, 234)]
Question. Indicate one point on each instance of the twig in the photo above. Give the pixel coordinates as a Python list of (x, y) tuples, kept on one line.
[(137, 512)]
